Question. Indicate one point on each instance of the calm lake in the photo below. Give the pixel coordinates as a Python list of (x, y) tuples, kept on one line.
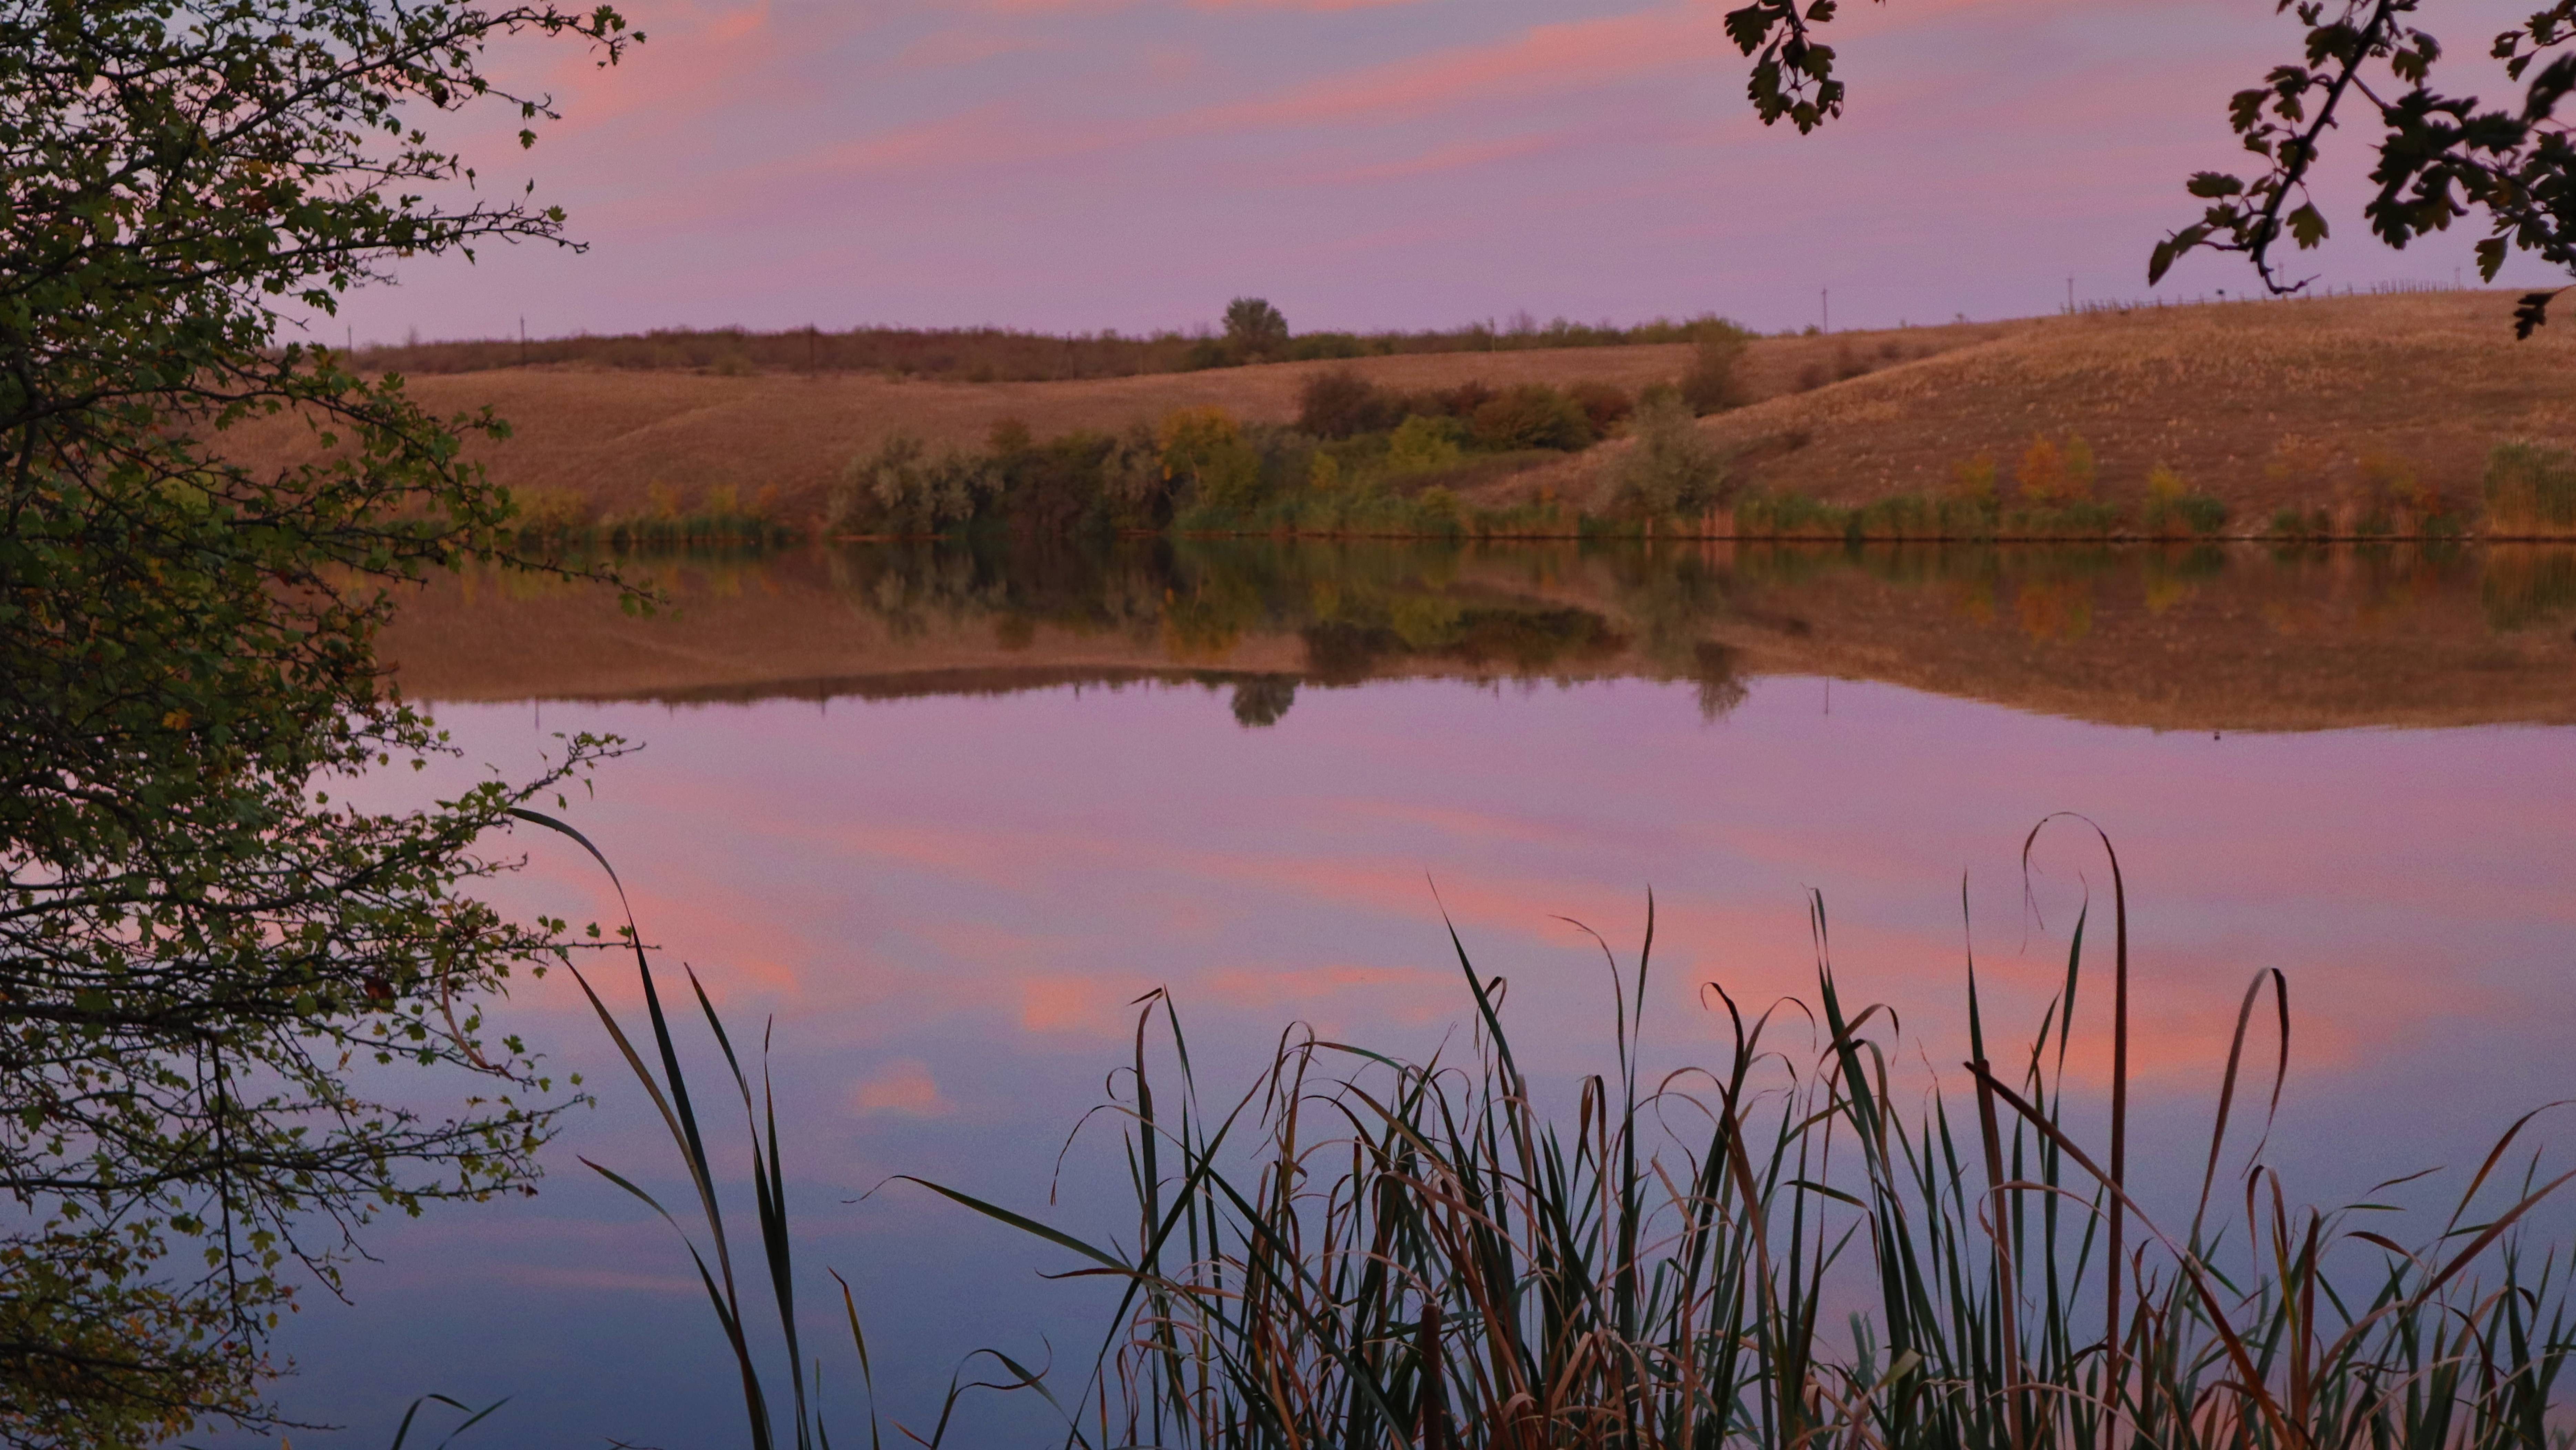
[(941, 815)]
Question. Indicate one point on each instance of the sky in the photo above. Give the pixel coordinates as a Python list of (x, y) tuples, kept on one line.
[(1077, 165)]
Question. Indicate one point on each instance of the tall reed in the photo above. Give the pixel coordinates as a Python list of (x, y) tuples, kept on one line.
[(1364, 1251), (669, 1092)]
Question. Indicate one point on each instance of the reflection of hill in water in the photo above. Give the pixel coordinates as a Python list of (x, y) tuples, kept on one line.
[(2198, 638)]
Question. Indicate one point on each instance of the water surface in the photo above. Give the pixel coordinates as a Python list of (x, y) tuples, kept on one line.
[(944, 814)]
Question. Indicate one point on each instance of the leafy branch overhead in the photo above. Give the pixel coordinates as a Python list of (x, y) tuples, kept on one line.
[(2441, 158)]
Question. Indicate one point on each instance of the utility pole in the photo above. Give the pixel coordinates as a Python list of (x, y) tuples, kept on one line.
[(1825, 301), (523, 339), (2070, 297)]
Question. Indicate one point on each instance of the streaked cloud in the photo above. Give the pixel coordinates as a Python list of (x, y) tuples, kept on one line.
[(1131, 163)]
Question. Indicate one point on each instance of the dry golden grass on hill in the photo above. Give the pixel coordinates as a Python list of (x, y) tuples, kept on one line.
[(2262, 404), (609, 435)]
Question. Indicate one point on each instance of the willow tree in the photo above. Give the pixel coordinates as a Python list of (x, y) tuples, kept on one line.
[(209, 957), (2363, 65)]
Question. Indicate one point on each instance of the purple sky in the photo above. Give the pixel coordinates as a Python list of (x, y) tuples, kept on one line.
[(1131, 164)]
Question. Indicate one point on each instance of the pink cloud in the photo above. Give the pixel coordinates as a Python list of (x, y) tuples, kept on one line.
[(903, 1086), (1458, 156), (1273, 987), (557, 1277), (951, 49), (1567, 56), (1080, 1004), (1324, 6)]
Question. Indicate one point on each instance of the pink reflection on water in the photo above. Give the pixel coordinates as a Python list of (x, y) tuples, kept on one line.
[(1039, 861), (950, 907)]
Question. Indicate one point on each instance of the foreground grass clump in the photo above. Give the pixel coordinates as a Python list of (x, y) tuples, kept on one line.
[(1366, 1251)]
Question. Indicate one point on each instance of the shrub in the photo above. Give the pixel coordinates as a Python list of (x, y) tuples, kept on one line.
[(2074, 519), (1203, 449), (2290, 523), (1422, 444), (551, 513), (2530, 489), (1972, 481), (900, 489), (1712, 385), (1670, 470), (2051, 475), (1315, 346), (1341, 403), (1133, 487), (2201, 513), (1438, 510), (1789, 516), (2396, 500), (1461, 401), (2173, 510), (2042, 474), (1532, 415), (1604, 405)]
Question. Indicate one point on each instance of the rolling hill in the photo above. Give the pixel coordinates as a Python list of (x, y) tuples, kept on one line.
[(2262, 404)]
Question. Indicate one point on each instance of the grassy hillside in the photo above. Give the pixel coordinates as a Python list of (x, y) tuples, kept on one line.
[(610, 435), (2263, 405)]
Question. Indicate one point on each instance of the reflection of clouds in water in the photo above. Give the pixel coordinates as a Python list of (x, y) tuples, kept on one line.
[(950, 904), (901, 1086)]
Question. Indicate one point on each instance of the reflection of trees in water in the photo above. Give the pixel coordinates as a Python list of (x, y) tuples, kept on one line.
[(1014, 583), (2528, 585), (1360, 607), (2055, 592), (1261, 699), (1367, 608), (1521, 641), (1721, 686), (2054, 609), (1670, 595)]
